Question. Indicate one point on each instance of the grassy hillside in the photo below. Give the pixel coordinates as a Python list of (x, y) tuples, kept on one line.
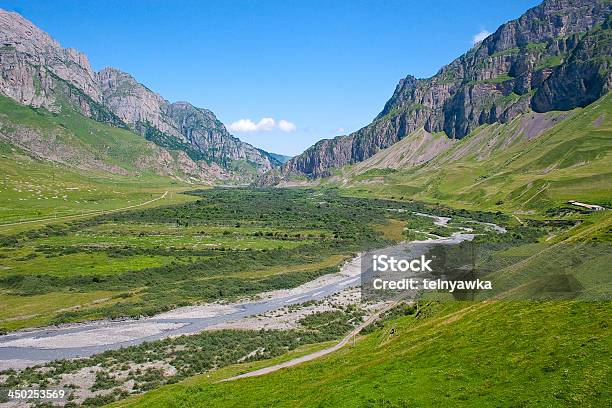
[(502, 167), (482, 355), (33, 189), (91, 167), (72, 138)]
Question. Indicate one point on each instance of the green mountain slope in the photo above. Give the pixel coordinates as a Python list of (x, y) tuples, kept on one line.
[(72, 139), (66, 164), (532, 163)]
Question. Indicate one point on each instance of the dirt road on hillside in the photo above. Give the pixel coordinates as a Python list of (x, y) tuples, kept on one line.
[(316, 354)]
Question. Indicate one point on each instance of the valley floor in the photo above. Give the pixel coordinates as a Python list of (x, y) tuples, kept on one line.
[(243, 280)]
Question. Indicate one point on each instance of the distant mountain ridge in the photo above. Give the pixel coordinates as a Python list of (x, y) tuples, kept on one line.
[(281, 158), (556, 56), (36, 71)]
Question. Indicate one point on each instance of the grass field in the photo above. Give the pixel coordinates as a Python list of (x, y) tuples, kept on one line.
[(39, 310), (32, 189), (90, 166)]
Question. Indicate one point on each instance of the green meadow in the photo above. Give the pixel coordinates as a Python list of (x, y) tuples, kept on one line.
[(503, 351), (32, 189)]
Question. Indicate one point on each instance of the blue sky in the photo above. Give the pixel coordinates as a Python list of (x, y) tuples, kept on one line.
[(322, 67)]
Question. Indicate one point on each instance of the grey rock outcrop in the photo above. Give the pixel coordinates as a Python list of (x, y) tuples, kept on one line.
[(583, 78)]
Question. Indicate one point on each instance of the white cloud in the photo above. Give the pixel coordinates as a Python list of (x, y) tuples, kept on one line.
[(264, 125), (243, 125), (340, 130), (286, 126), (480, 36)]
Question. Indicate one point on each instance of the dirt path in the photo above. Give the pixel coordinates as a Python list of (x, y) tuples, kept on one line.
[(316, 354), (85, 214)]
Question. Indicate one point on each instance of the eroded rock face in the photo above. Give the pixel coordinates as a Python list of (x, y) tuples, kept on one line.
[(583, 78), (142, 109), (132, 101), (555, 56), (202, 129), (36, 71), (32, 62)]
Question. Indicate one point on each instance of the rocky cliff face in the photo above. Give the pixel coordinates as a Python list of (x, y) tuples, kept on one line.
[(585, 75), (131, 101), (178, 125), (36, 71), (204, 131), (555, 56)]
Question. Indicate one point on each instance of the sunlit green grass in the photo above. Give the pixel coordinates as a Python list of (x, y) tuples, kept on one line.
[(18, 312), (31, 190), (93, 263), (482, 355)]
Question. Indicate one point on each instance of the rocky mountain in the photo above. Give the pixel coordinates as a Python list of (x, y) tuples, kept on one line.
[(178, 125), (556, 56), (36, 71)]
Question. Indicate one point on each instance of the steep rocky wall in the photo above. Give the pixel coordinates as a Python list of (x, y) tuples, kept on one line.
[(555, 56)]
